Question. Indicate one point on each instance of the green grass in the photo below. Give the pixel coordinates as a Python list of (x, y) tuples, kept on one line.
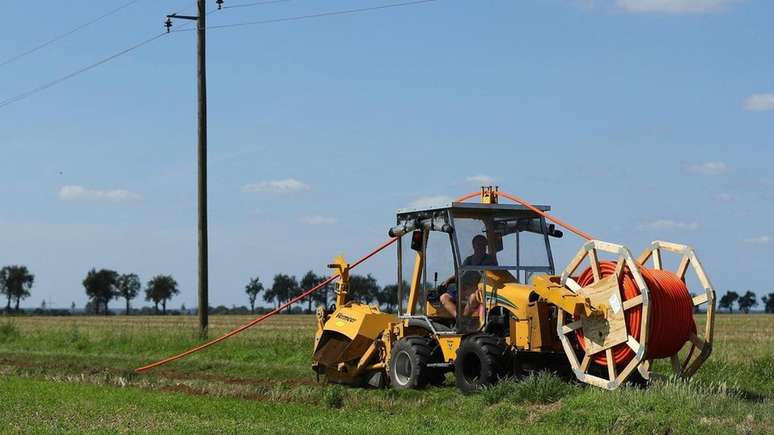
[(75, 374)]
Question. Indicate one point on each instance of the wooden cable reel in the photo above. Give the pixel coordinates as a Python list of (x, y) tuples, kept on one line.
[(620, 339)]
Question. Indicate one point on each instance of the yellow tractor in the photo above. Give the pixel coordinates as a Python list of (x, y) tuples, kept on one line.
[(482, 300)]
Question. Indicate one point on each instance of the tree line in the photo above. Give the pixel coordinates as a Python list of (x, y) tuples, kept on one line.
[(286, 287), (105, 285), (745, 302)]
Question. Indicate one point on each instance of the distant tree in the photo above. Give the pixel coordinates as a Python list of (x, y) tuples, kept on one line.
[(100, 287), (728, 299), (183, 309), (768, 303), (310, 280), (43, 305), (747, 301), (253, 288), (15, 283), (320, 297), (363, 288), (128, 287), (284, 288), (72, 307), (388, 297), (160, 289)]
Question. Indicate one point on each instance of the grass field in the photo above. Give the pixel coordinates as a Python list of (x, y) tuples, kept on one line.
[(75, 374)]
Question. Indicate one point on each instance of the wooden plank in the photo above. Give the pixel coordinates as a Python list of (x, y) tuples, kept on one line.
[(573, 265), (568, 349), (697, 341), (594, 262), (633, 302), (657, 260), (597, 382), (700, 299), (610, 364), (676, 366), (671, 247), (644, 369), (633, 344), (601, 333), (584, 366), (633, 364), (619, 267), (572, 285), (570, 327), (645, 256), (608, 247), (700, 272), (683, 267)]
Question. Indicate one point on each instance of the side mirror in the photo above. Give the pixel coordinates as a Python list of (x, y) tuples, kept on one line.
[(553, 232)]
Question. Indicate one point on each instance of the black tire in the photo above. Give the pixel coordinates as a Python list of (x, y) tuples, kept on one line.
[(408, 363), (481, 361)]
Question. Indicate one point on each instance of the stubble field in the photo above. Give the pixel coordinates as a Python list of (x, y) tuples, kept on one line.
[(76, 374)]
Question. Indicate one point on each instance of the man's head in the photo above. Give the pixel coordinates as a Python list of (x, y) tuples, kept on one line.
[(479, 245)]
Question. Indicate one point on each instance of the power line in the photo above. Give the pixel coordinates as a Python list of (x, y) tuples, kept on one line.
[(82, 70), (318, 15), (66, 34), (247, 5), (45, 86)]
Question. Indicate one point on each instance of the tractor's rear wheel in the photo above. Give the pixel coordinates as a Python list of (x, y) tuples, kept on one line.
[(408, 363), (481, 361)]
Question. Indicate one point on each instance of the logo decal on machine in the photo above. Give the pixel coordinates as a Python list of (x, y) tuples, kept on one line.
[(345, 318)]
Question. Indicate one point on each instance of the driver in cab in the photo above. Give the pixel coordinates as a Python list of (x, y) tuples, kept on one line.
[(469, 278)]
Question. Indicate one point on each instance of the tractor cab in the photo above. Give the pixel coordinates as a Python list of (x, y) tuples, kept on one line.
[(467, 251)]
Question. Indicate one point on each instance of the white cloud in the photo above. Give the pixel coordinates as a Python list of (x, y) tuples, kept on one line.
[(674, 7), (667, 225), (75, 193), (707, 168), (430, 201), (759, 103), (318, 220), (481, 180), (761, 240), (277, 186), (726, 197)]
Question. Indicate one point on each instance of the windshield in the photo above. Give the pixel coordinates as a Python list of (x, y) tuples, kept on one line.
[(518, 244)]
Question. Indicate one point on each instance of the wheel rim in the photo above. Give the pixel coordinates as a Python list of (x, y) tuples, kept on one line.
[(471, 368), (404, 367)]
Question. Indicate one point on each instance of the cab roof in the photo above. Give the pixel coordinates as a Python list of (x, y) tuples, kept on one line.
[(472, 208)]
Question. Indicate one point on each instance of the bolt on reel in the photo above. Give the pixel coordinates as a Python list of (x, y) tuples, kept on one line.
[(647, 313)]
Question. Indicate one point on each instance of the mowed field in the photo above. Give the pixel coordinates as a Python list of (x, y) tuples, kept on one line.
[(75, 374)]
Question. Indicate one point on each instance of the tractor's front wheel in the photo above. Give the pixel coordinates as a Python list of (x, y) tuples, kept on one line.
[(408, 363), (481, 361)]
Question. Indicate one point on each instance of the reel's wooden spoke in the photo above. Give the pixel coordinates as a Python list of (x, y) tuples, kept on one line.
[(610, 363), (676, 366), (571, 327), (572, 285), (633, 344), (633, 302), (585, 363), (682, 268), (700, 299), (594, 263), (619, 267), (697, 341)]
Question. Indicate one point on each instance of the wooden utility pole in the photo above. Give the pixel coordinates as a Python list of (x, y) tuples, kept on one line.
[(201, 75), (201, 72)]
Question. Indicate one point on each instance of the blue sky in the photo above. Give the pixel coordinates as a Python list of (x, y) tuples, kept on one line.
[(635, 119)]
